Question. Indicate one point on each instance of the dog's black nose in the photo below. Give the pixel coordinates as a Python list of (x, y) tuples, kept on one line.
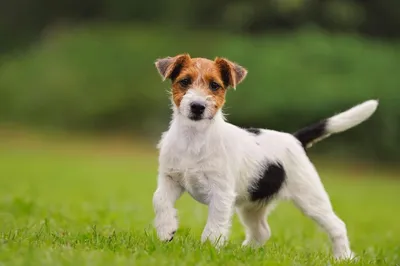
[(197, 108)]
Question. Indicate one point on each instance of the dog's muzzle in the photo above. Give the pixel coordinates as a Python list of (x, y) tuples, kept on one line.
[(197, 110)]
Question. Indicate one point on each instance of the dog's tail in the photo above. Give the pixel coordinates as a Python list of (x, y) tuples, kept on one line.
[(335, 124)]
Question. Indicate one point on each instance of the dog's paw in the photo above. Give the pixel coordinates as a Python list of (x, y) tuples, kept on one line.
[(166, 235), (166, 229), (216, 238), (251, 243), (246, 243), (346, 256)]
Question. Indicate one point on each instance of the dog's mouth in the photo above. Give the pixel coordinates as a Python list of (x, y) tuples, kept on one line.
[(196, 117), (200, 118)]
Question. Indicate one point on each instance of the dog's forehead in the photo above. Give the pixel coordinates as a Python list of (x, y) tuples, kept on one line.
[(203, 64)]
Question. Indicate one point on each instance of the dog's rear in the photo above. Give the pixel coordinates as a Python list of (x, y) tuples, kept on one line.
[(336, 124)]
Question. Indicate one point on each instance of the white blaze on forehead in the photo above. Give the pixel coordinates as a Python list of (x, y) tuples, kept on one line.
[(202, 69), (198, 67), (196, 93), (197, 64)]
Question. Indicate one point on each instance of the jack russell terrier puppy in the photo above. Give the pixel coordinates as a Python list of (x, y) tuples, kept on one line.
[(230, 168)]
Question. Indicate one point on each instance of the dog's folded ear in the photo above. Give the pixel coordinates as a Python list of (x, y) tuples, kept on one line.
[(232, 74), (170, 67)]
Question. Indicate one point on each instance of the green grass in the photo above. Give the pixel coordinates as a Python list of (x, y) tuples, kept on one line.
[(73, 203)]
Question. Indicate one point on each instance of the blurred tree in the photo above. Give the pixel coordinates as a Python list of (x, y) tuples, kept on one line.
[(22, 20), (382, 18)]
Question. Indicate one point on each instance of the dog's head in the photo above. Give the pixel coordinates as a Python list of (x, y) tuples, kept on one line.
[(199, 85)]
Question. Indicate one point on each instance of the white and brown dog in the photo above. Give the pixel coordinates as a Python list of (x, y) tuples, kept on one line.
[(227, 167)]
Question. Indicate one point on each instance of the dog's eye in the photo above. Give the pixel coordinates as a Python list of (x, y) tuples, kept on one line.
[(185, 82), (214, 86)]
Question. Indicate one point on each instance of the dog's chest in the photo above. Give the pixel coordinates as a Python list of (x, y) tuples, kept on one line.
[(195, 183), (194, 163), (194, 174)]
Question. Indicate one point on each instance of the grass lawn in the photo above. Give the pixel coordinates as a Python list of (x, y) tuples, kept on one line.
[(78, 203)]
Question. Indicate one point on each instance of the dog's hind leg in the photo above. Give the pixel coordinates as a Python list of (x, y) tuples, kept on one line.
[(253, 217), (308, 194)]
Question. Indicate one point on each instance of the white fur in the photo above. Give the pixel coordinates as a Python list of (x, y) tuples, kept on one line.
[(348, 119), (351, 117), (196, 95), (217, 162)]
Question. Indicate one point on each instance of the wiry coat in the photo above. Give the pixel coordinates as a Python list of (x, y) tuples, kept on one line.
[(227, 167)]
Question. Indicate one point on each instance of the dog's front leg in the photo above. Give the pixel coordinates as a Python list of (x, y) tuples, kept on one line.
[(164, 198), (220, 211)]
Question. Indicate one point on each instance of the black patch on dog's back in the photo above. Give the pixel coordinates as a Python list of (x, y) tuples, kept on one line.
[(270, 182), (255, 131)]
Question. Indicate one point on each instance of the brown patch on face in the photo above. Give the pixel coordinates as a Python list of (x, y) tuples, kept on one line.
[(215, 87), (212, 78), (183, 82), (203, 75), (210, 82)]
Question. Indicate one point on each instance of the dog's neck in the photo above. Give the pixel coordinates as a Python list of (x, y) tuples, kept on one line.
[(186, 125), (196, 136)]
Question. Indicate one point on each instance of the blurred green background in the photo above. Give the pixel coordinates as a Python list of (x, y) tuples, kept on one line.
[(88, 65), (82, 107)]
